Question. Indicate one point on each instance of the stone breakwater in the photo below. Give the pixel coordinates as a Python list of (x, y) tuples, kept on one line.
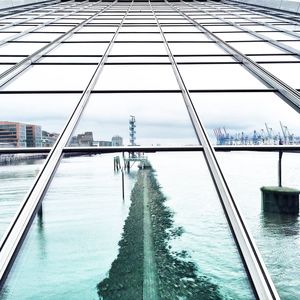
[(177, 276)]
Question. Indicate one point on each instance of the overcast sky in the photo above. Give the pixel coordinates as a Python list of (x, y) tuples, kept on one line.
[(161, 118)]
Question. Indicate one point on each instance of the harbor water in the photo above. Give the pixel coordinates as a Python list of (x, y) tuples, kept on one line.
[(70, 249)]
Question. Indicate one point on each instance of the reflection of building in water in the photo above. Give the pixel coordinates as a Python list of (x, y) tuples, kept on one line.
[(48, 139), (15, 134)]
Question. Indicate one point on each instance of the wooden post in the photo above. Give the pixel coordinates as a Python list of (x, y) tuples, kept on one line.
[(123, 193), (280, 169), (40, 211)]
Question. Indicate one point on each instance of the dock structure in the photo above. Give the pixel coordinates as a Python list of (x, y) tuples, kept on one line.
[(281, 200), (150, 287)]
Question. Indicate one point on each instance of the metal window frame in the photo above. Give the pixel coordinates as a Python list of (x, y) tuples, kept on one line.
[(16, 233)]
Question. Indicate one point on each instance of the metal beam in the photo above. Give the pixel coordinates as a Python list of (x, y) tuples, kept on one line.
[(217, 148)]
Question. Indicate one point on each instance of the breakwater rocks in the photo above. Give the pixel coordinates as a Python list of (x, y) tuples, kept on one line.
[(177, 277), (125, 279)]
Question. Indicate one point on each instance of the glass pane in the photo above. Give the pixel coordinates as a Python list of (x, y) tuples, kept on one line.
[(20, 48), (285, 72), (139, 37), (277, 235), (256, 48), (139, 59), (279, 36), (236, 36), (70, 254), (9, 60), (41, 37), (91, 37), (33, 120), (161, 119), (17, 173), (138, 49), (190, 28), (94, 59), (137, 77), (195, 48), (262, 58), (216, 77), (227, 28), (295, 44), (99, 28), (186, 37), (205, 59), (235, 118), (80, 49), (52, 77)]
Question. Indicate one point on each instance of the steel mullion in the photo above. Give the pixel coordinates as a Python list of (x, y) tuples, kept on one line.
[(262, 282), (287, 93), (32, 30), (275, 43), (14, 236), (25, 63)]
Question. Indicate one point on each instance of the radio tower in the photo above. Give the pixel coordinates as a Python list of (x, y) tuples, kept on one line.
[(132, 131)]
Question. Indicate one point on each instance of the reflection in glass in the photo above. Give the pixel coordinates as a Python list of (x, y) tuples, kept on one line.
[(17, 173), (285, 72), (33, 120), (247, 118), (276, 235), (72, 254), (256, 48), (52, 77), (216, 77), (137, 77), (161, 119)]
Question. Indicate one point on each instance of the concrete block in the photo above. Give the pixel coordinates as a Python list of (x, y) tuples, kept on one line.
[(280, 200)]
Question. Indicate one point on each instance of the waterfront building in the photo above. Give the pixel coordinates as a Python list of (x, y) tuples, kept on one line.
[(83, 139), (33, 135), (193, 202), (117, 140), (20, 134), (104, 143), (48, 139), (12, 133)]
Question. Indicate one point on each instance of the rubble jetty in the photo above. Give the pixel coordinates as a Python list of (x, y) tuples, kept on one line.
[(176, 277)]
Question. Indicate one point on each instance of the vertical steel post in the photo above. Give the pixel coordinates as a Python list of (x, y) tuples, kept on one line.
[(280, 169)]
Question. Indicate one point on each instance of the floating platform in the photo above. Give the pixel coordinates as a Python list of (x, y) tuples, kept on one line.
[(281, 200)]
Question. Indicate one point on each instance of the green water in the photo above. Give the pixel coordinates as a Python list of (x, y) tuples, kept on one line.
[(70, 249)]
